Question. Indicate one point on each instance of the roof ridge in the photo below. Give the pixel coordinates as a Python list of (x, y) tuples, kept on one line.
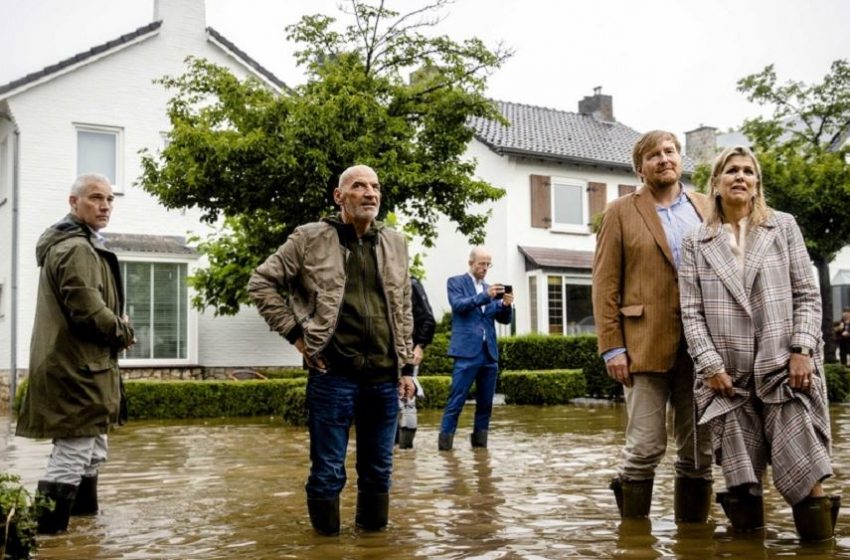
[(80, 57)]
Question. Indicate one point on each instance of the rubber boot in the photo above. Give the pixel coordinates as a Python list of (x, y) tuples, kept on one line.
[(813, 519), (324, 515), (86, 501), (55, 521), (744, 510), (836, 505), (634, 497), (405, 438), (479, 439), (692, 499), (445, 442), (372, 511)]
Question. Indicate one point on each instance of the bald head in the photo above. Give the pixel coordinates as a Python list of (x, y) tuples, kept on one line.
[(347, 176), (480, 262), (358, 197)]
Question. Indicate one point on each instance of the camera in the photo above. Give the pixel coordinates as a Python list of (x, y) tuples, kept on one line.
[(508, 290)]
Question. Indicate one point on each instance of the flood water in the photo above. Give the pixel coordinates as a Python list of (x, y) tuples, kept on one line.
[(234, 489)]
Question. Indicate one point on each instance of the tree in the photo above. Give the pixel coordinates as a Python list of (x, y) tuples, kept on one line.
[(805, 164), (267, 163)]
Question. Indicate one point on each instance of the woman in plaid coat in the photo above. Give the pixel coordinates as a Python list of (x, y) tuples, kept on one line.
[(752, 317)]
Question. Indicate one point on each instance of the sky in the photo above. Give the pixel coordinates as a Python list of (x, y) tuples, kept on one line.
[(668, 64)]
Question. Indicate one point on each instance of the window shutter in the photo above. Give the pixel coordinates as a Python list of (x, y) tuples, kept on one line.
[(541, 201), (597, 194), (623, 190)]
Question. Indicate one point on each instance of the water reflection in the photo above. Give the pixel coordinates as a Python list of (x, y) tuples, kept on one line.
[(234, 489)]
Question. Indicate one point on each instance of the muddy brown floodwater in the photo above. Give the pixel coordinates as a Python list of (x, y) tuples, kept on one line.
[(234, 489)]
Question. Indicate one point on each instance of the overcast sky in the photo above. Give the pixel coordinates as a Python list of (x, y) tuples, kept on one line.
[(667, 64)]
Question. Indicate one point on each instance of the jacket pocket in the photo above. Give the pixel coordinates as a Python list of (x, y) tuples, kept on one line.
[(98, 365), (632, 311)]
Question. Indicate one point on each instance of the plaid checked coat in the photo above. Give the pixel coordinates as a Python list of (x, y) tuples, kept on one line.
[(748, 328)]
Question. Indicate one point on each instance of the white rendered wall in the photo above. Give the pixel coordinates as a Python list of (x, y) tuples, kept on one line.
[(117, 91), (509, 227)]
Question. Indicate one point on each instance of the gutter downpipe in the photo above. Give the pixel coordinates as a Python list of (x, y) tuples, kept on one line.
[(13, 307), (16, 172)]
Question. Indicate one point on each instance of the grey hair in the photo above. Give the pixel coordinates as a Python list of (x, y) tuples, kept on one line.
[(78, 187)]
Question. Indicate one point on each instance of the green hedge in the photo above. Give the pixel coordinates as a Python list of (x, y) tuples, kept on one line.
[(537, 353), (542, 387), (210, 399), (290, 373), (837, 382)]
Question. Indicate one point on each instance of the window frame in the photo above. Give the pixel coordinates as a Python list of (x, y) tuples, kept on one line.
[(555, 183), (118, 133), (191, 318), (542, 303)]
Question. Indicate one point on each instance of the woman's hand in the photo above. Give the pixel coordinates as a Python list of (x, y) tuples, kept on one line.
[(800, 369), (721, 383)]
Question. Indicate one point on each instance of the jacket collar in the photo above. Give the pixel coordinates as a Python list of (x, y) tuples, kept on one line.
[(645, 203)]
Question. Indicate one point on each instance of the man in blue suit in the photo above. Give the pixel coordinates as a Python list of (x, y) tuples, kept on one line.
[(475, 306)]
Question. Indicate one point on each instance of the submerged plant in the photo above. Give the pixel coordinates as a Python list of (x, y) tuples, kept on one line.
[(18, 519)]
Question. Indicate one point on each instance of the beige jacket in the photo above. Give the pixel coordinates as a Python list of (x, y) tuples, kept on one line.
[(303, 283)]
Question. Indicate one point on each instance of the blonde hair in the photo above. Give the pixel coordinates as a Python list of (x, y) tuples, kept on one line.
[(759, 210)]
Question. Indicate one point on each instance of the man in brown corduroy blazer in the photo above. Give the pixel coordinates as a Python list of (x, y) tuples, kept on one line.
[(639, 329)]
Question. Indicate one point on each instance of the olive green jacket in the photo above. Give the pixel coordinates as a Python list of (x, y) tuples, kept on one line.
[(299, 290), (74, 381)]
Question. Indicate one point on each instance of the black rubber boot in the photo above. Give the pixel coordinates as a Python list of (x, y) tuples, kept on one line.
[(445, 442), (813, 519), (55, 521), (324, 515), (479, 439), (634, 497), (692, 499), (86, 501), (744, 510), (836, 505), (405, 438), (372, 511)]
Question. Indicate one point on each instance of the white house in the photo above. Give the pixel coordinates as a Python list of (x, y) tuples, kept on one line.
[(558, 169), (94, 112)]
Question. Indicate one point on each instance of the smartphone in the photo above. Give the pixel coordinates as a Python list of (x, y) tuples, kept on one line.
[(508, 290)]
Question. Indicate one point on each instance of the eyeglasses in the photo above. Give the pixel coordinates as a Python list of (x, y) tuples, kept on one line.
[(483, 264)]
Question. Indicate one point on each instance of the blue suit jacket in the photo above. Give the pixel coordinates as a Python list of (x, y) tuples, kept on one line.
[(471, 325)]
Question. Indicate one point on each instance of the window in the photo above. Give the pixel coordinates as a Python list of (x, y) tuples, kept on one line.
[(565, 204), (156, 296), (99, 151), (569, 203), (570, 308), (532, 302)]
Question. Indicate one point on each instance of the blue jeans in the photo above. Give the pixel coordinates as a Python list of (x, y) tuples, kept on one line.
[(334, 403), (483, 371)]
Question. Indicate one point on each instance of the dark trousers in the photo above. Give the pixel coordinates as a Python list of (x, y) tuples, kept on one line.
[(333, 404), (484, 371)]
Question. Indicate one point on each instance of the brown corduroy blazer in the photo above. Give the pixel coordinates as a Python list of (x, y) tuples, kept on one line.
[(635, 284)]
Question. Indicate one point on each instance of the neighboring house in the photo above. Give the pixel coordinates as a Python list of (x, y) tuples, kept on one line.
[(559, 169), (94, 112), (705, 142)]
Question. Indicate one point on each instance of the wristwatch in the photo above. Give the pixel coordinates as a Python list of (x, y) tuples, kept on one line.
[(802, 350)]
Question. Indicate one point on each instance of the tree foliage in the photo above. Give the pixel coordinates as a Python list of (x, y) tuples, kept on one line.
[(804, 158), (268, 162)]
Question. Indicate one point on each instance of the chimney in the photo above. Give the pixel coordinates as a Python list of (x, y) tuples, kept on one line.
[(600, 107), (701, 144)]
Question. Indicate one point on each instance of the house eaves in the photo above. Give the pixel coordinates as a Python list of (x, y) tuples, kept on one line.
[(242, 58), (556, 158), (78, 60)]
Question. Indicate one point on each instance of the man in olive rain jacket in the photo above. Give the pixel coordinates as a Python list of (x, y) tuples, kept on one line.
[(74, 389)]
